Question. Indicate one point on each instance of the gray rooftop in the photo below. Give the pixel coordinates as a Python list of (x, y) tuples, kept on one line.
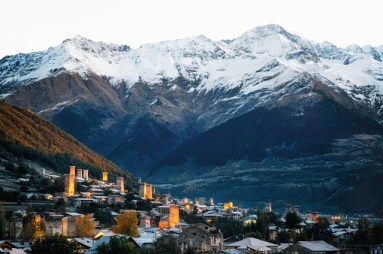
[(317, 246)]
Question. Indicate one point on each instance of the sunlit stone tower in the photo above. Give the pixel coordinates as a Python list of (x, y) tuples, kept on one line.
[(146, 190), (174, 216), (120, 184), (149, 191), (72, 170), (70, 182), (104, 176)]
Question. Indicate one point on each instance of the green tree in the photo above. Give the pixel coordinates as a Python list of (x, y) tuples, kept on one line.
[(166, 245), (117, 244), (2, 223), (144, 205), (104, 217), (283, 237), (54, 244), (60, 206), (262, 225), (292, 220), (190, 217), (29, 224), (318, 231), (273, 218), (229, 227), (10, 167), (368, 236), (127, 224), (363, 223), (255, 234), (22, 169), (376, 234), (88, 208)]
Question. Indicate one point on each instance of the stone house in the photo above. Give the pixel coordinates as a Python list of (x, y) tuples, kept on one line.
[(252, 245), (53, 224), (311, 247), (201, 238), (69, 224)]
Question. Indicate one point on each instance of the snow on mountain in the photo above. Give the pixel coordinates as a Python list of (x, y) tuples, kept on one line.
[(273, 41), (260, 58)]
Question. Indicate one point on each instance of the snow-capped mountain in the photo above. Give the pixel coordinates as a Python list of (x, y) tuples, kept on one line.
[(269, 111), (261, 53), (112, 96)]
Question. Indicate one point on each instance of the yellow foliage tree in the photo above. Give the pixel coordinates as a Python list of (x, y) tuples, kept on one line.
[(127, 224), (85, 226), (38, 235)]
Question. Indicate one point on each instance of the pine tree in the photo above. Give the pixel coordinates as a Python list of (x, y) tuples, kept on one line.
[(54, 244), (29, 224), (2, 223)]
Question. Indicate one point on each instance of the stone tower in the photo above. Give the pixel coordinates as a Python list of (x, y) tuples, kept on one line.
[(120, 184), (79, 173), (174, 216), (70, 182), (85, 174), (104, 176)]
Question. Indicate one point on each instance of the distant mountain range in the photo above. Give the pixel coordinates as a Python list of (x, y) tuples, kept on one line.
[(195, 112), (26, 136)]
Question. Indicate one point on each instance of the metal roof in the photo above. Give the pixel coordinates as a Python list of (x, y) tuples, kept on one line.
[(317, 246), (251, 242)]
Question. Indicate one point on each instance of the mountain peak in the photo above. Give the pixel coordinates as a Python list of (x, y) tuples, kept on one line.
[(84, 44), (77, 38), (275, 41), (264, 31)]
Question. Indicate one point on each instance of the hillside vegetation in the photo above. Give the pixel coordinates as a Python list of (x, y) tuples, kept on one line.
[(24, 134)]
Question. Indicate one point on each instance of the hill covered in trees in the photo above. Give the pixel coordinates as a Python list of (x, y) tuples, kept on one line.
[(25, 135)]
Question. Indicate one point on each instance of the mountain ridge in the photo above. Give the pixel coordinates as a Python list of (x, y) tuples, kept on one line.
[(183, 87), (25, 135), (79, 49), (268, 112)]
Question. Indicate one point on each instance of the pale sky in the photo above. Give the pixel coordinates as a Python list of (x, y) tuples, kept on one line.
[(33, 25)]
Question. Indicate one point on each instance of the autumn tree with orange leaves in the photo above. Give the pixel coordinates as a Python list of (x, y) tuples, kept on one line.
[(85, 226), (127, 224)]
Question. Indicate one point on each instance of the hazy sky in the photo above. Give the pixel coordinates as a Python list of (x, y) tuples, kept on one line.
[(32, 25)]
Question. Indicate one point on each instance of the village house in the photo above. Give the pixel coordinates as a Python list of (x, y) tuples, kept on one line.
[(273, 232), (84, 243), (253, 245), (83, 201), (340, 235), (16, 224), (53, 224), (69, 223), (311, 247), (201, 238), (115, 199)]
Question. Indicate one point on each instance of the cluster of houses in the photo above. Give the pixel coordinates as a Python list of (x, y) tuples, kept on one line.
[(164, 219)]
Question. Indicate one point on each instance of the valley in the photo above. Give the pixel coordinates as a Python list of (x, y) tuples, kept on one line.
[(245, 111)]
